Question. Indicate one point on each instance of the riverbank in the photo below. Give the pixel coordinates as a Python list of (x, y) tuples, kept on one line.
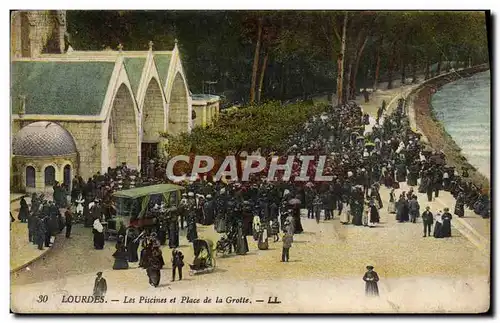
[(433, 130)]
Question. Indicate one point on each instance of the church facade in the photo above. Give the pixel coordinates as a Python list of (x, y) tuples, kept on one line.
[(80, 112)]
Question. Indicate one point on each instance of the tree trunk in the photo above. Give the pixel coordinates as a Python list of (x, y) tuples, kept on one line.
[(340, 72), (391, 67), (348, 81), (377, 70), (262, 73), (427, 70), (414, 72), (352, 94), (403, 72), (256, 61), (438, 68)]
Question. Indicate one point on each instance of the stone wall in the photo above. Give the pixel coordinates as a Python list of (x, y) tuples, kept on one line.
[(179, 108), (206, 112), (87, 136), (153, 114), (126, 132), (21, 163), (200, 119), (32, 30)]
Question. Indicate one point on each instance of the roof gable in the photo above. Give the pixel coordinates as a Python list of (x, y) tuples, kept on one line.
[(60, 88), (134, 67), (162, 62)]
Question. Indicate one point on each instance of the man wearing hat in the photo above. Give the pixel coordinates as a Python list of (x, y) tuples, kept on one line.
[(428, 220), (177, 263), (100, 286)]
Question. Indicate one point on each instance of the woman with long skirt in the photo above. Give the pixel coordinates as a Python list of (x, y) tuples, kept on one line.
[(391, 206), (459, 205), (132, 245), (24, 210), (446, 228), (191, 234), (120, 255), (145, 253), (371, 279), (374, 215), (296, 218), (241, 241), (98, 231), (345, 214), (173, 232), (263, 243), (256, 227), (357, 212), (438, 226), (153, 268)]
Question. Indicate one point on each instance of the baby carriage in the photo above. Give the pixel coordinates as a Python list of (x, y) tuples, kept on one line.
[(204, 261), (223, 246)]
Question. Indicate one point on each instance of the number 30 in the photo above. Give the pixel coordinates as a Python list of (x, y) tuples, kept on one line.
[(42, 299)]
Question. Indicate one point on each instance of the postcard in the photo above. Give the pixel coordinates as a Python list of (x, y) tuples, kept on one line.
[(250, 162)]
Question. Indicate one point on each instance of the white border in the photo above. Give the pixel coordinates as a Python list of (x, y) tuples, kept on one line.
[(186, 4)]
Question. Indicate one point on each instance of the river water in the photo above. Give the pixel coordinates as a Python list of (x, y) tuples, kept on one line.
[(463, 107)]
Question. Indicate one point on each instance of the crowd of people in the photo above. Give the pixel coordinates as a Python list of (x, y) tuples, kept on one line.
[(44, 219), (360, 161)]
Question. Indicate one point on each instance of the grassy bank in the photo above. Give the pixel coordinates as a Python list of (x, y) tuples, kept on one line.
[(438, 137)]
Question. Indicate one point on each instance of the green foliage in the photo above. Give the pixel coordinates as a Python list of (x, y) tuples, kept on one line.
[(302, 45), (263, 127)]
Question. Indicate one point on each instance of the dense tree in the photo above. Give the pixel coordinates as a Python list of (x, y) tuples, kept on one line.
[(268, 55)]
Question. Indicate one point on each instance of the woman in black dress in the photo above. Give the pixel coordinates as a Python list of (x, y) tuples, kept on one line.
[(296, 217), (153, 267), (24, 210), (371, 279), (459, 206), (132, 245), (173, 230), (438, 226), (446, 228), (120, 255), (98, 232)]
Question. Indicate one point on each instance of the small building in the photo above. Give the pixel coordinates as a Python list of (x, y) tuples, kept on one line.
[(206, 108), (81, 112), (43, 153)]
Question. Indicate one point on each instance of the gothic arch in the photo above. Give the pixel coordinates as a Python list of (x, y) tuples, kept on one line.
[(153, 113), (179, 116), (122, 130)]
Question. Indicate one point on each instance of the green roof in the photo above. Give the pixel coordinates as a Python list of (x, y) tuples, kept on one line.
[(134, 67), (59, 88), (162, 64), (147, 190)]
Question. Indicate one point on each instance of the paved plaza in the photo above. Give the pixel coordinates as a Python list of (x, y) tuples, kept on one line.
[(327, 263), (327, 254)]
